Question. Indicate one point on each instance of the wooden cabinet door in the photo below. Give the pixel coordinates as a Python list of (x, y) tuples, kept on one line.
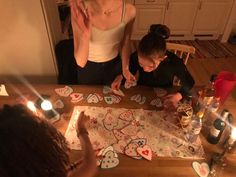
[(145, 16), (180, 15), (212, 16)]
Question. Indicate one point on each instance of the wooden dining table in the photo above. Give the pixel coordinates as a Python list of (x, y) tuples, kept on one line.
[(128, 167)]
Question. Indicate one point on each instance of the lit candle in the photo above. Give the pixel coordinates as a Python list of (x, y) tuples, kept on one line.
[(46, 105), (232, 137), (32, 107), (48, 110)]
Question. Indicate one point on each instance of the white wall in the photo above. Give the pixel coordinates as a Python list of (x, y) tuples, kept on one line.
[(50, 8), (24, 46)]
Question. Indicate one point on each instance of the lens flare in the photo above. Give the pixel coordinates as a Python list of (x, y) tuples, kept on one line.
[(46, 105), (31, 106)]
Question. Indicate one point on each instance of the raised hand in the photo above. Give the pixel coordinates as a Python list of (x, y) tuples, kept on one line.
[(80, 16)]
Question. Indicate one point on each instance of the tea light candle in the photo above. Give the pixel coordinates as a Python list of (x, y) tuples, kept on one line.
[(32, 107), (46, 105), (232, 137)]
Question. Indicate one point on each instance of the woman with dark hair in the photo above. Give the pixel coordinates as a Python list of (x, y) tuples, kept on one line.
[(156, 67), (30, 147)]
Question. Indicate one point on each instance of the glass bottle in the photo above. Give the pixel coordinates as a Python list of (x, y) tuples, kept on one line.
[(195, 125), (228, 129), (207, 94), (186, 115), (218, 127)]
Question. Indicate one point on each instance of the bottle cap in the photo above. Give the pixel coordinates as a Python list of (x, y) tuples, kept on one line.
[(200, 114), (230, 118), (188, 98)]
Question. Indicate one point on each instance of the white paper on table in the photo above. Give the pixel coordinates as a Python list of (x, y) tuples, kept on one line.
[(107, 126), (3, 91)]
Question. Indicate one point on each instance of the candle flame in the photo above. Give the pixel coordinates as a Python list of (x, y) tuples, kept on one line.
[(31, 106), (46, 105), (233, 133)]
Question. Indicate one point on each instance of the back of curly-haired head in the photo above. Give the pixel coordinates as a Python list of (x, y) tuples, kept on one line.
[(155, 41), (30, 147)]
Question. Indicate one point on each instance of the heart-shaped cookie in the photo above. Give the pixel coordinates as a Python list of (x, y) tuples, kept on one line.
[(156, 102), (65, 91), (105, 150), (58, 104), (110, 160), (115, 98), (145, 152), (109, 99), (92, 98), (76, 97), (137, 98), (143, 100), (202, 169), (131, 150)]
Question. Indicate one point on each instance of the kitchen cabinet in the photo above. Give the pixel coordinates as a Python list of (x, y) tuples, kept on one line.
[(211, 17), (180, 15), (147, 12), (187, 19)]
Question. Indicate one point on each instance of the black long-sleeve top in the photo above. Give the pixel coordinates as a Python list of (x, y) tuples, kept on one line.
[(164, 74)]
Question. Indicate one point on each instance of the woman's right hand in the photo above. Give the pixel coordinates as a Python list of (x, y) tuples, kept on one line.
[(80, 17)]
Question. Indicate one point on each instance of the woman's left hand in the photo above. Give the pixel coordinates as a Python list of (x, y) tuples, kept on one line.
[(172, 100), (117, 82)]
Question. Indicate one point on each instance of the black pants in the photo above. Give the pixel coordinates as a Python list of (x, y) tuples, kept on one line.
[(99, 73)]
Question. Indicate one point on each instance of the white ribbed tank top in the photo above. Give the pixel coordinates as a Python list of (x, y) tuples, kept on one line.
[(104, 45)]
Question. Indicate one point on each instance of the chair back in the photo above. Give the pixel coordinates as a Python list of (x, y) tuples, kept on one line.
[(183, 52)]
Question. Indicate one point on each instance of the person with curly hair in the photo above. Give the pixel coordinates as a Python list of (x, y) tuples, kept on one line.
[(31, 147)]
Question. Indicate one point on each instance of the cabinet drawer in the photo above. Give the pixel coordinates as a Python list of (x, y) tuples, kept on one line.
[(150, 2)]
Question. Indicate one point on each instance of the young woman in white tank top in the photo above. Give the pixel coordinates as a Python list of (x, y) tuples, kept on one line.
[(102, 30)]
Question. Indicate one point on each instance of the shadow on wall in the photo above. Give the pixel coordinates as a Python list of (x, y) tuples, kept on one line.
[(24, 46)]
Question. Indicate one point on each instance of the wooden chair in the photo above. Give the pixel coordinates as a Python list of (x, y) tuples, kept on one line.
[(183, 52)]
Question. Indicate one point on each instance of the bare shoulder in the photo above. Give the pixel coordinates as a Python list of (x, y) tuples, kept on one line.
[(130, 12)]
